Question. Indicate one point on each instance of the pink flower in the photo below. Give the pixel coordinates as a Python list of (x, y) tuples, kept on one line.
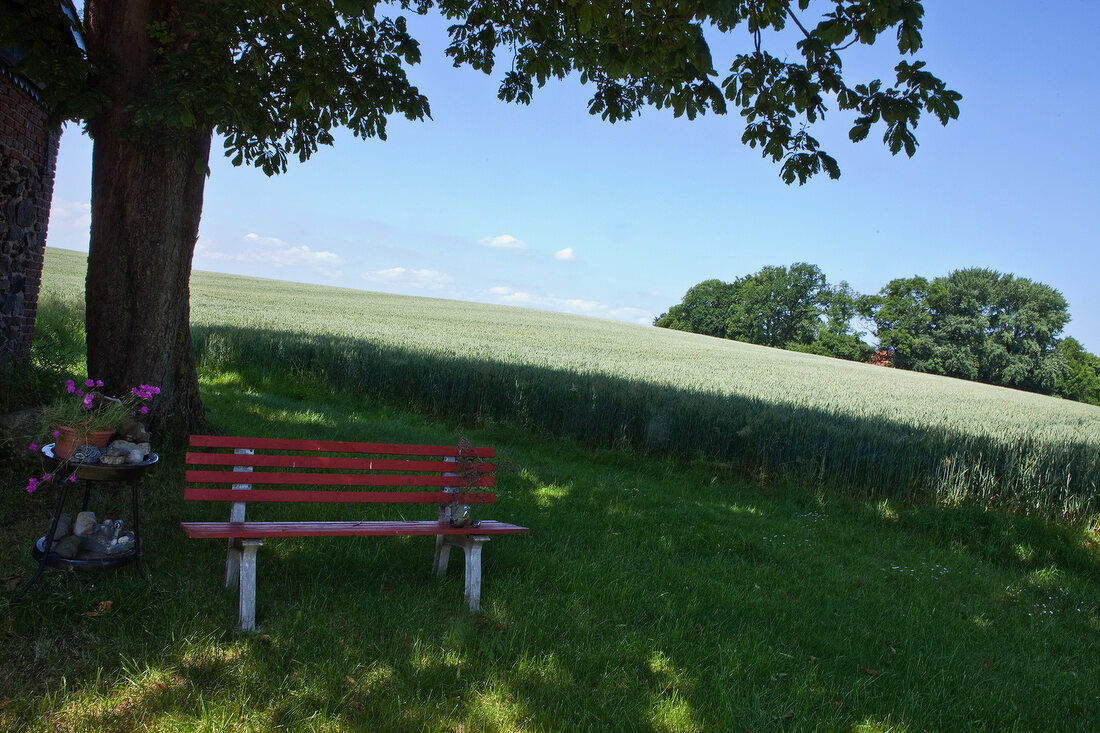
[(99, 382), (87, 402), (32, 486), (79, 393), (89, 383), (56, 433), (33, 447), (70, 386), (72, 479), (144, 410)]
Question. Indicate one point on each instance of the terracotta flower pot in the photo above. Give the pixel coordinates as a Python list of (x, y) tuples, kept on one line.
[(70, 439)]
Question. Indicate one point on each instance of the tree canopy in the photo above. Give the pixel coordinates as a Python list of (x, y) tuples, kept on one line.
[(973, 324), (1082, 378), (704, 309), (777, 305), (274, 79), (785, 307)]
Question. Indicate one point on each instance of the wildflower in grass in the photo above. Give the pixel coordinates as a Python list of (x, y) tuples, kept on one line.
[(34, 483)]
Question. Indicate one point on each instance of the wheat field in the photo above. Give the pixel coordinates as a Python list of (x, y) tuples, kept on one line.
[(871, 430)]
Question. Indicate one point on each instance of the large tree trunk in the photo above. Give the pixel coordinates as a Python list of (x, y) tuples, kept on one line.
[(146, 205)]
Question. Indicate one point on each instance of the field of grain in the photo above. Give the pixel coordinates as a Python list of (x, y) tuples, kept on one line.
[(869, 430)]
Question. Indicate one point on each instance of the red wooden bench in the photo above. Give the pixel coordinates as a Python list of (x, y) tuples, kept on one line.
[(316, 471)]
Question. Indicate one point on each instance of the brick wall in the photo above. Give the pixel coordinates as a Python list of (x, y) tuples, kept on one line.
[(28, 157)]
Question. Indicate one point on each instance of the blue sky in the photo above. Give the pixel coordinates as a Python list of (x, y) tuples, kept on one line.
[(546, 207)]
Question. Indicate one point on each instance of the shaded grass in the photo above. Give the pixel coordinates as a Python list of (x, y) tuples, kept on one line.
[(861, 455), (651, 594)]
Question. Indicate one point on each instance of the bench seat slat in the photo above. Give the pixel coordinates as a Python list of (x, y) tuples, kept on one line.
[(338, 446), (256, 530), (333, 462), (342, 497), (331, 479)]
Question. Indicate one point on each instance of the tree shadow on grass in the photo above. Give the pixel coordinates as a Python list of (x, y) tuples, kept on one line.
[(858, 456)]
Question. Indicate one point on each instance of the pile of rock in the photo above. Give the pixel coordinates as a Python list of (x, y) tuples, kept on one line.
[(118, 453), (85, 537)]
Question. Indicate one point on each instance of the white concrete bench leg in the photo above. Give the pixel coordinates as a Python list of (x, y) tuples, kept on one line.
[(471, 546), (233, 563), (246, 617), (442, 556)]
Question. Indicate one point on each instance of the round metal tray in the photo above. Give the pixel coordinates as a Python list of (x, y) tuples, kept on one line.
[(104, 472), (82, 562)]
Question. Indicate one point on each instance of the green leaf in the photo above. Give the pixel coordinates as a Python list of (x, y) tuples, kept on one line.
[(584, 17)]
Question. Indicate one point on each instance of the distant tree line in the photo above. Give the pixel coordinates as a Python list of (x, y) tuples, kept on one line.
[(975, 324)]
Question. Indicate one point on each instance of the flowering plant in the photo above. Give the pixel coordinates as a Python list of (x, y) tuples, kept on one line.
[(85, 410)]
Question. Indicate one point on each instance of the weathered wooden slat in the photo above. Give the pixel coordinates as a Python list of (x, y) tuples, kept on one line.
[(341, 529), (338, 497), (338, 446), (334, 479), (334, 462)]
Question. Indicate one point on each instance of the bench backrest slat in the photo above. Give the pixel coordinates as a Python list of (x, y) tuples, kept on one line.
[(331, 462), (340, 497), (334, 479), (338, 446), (458, 474)]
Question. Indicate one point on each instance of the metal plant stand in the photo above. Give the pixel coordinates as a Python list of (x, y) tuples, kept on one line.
[(90, 473)]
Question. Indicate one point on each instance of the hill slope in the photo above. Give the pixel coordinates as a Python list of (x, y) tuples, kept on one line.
[(880, 431)]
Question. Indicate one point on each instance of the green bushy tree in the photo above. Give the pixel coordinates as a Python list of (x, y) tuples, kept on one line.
[(1081, 381), (777, 306), (975, 324), (703, 309), (784, 307)]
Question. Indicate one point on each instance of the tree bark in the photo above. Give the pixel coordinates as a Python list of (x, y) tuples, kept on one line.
[(146, 205)]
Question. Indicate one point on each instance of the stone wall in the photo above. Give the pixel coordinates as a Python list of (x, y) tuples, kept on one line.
[(28, 156)]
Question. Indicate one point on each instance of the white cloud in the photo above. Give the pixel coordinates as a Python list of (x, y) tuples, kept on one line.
[(504, 241), (565, 254), (256, 249), (409, 278), (69, 224), (507, 296), (208, 247)]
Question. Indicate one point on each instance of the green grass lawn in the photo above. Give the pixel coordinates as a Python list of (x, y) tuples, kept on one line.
[(651, 594)]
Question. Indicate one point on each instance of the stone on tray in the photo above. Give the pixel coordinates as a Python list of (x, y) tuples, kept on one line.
[(133, 431), (84, 524), (86, 454), (64, 526), (67, 547), (131, 452), (109, 538)]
